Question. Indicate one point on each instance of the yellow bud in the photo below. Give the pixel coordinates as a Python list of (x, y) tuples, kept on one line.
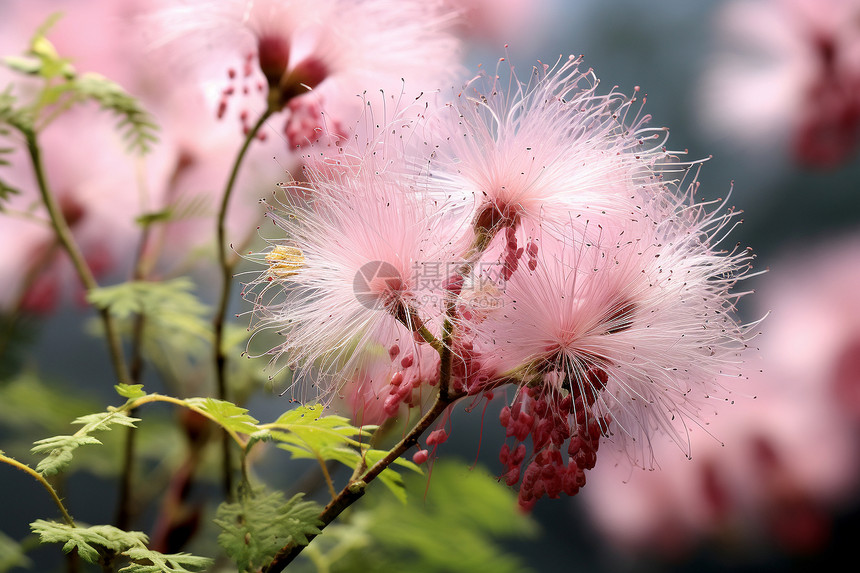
[(285, 261)]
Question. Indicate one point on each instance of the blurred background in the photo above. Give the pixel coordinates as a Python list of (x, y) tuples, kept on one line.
[(769, 91)]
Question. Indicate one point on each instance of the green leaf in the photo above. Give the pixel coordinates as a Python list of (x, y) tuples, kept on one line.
[(100, 543), (130, 391), (168, 305), (258, 526), (19, 117), (226, 414), (147, 561), (306, 433), (308, 429), (459, 526), (104, 421), (91, 542), (136, 125), (59, 452), (59, 449), (148, 219)]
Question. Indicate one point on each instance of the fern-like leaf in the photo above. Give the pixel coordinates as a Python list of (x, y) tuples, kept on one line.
[(258, 526), (226, 414), (135, 124), (306, 433), (59, 452), (92, 543), (59, 449), (147, 561)]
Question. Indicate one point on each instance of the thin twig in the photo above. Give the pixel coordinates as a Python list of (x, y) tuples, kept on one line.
[(64, 235), (356, 487), (27, 469), (219, 352)]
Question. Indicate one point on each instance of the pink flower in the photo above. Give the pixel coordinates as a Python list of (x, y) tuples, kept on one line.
[(551, 150), (789, 72), (305, 56), (779, 465), (621, 331), (364, 264), (499, 21), (96, 195)]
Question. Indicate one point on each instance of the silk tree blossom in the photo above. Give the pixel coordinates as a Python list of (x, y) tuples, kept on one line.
[(394, 372), (621, 333), (787, 70), (551, 150), (365, 263), (578, 268), (303, 56), (781, 466)]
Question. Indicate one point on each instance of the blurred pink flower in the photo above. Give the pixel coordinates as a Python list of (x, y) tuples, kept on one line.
[(100, 191), (776, 466), (789, 71), (498, 21), (309, 56)]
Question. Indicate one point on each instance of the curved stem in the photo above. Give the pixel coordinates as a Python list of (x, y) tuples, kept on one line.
[(64, 235), (27, 469), (220, 354), (356, 487)]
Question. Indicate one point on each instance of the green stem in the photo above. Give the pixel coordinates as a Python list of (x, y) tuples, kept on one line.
[(27, 469), (124, 512), (356, 487), (64, 235), (220, 354)]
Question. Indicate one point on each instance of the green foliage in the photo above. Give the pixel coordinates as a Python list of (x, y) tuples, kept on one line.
[(11, 554), (59, 452), (314, 436), (130, 391), (457, 527), (147, 561), (59, 449), (135, 124), (226, 414), (310, 432), (93, 543), (65, 87), (171, 303), (8, 116), (176, 323), (21, 118), (103, 543), (260, 524)]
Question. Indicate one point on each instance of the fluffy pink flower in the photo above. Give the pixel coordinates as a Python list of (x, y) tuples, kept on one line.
[(311, 55), (551, 150), (788, 72), (633, 323), (365, 263), (778, 465)]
